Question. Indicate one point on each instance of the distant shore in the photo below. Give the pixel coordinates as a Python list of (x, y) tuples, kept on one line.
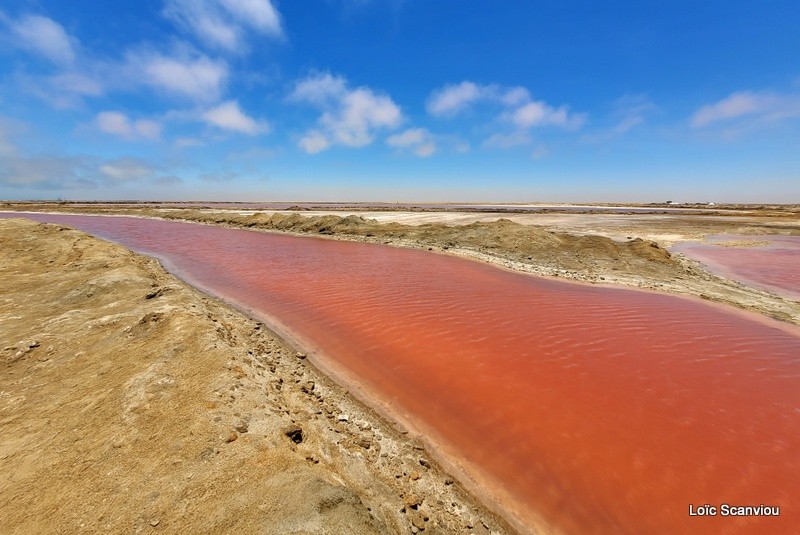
[(617, 249)]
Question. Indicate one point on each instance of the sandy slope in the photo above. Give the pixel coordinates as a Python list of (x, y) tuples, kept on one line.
[(129, 402)]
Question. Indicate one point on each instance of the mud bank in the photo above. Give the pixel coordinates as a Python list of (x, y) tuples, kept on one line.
[(130, 402)]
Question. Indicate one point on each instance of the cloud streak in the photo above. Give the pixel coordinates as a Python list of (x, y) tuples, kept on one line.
[(42, 36), (417, 140), (118, 124), (764, 105), (224, 24)]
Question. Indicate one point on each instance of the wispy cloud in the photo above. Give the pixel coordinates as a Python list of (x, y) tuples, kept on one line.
[(538, 113), (182, 74), (228, 116), (126, 169), (42, 36), (451, 100), (118, 124), (507, 140), (417, 140), (627, 112), (225, 23), (762, 106), (350, 117)]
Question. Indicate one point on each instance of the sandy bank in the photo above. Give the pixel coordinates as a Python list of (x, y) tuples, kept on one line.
[(131, 402)]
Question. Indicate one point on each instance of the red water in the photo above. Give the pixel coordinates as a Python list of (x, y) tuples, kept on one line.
[(603, 410), (774, 267)]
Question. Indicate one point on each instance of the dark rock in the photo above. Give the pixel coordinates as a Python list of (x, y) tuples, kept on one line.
[(295, 433)]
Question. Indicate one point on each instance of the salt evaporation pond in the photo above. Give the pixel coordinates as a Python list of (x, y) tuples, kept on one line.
[(773, 266), (601, 410)]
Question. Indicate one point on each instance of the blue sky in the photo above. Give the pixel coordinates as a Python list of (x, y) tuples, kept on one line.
[(400, 100)]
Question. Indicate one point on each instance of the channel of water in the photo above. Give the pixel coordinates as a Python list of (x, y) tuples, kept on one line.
[(597, 409)]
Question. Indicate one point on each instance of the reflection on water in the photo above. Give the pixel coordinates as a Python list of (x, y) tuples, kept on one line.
[(606, 410)]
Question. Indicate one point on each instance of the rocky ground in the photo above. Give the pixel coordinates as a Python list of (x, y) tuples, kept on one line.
[(130, 402)]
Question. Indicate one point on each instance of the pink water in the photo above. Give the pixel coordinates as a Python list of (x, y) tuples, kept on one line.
[(602, 410), (774, 267)]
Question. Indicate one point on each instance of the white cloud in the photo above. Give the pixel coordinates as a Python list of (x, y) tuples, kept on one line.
[(418, 140), (126, 169), (452, 99), (743, 112), (538, 113), (515, 106), (228, 116), (118, 124), (407, 138), (314, 141), (42, 36), (360, 112), (507, 140), (349, 117), (198, 78), (733, 106), (259, 14), (224, 23), (319, 89)]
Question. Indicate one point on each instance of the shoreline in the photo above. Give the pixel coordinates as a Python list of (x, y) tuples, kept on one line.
[(487, 491), (698, 284), (360, 448)]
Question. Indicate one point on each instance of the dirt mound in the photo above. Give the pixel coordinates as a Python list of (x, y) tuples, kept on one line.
[(502, 238)]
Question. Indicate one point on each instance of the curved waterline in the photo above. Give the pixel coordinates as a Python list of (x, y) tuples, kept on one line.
[(603, 410)]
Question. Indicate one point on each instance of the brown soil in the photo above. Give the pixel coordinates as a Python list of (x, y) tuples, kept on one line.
[(130, 402)]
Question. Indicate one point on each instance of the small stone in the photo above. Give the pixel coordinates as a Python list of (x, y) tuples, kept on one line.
[(364, 442), (232, 437), (448, 481), (425, 463), (301, 356), (417, 520), (154, 293), (411, 501), (343, 418), (295, 433), (155, 522), (242, 427)]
